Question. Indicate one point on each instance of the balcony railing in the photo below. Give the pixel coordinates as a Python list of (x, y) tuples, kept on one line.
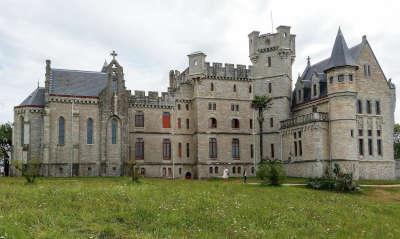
[(305, 119)]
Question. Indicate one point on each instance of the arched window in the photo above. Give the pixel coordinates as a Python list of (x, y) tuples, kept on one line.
[(114, 86), (250, 89), (61, 131), (114, 128), (210, 170), (235, 124), (89, 131), (239, 170), (212, 123), (22, 131), (234, 88), (234, 170), (216, 169)]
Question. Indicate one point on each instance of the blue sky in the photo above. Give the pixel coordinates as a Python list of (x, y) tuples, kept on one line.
[(153, 37)]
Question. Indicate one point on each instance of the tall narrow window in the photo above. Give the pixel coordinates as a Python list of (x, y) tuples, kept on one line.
[(378, 107), (212, 148), (210, 170), (273, 151), (369, 70), (209, 106), (114, 86), (370, 151), (300, 148), (270, 87), (212, 87), (250, 89), (234, 88), (139, 119), (187, 106), (61, 131), (271, 122), (22, 135), (365, 70), (216, 169), (187, 150), (114, 128), (187, 124), (166, 120), (350, 77), (166, 149), (179, 150), (360, 146), (179, 106), (315, 89), (214, 106), (340, 78), (139, 149), (251, 123), (251, 151), (235, 149), (359, 106), (269, 61), (89, 131), (379, 146), (179, 123), (295, 148), (369, 111)]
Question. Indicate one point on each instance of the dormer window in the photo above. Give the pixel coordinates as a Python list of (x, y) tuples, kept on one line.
[(331, 80), (114, 86)]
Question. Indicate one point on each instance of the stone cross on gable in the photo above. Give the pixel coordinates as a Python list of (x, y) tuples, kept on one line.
[(113, 54)]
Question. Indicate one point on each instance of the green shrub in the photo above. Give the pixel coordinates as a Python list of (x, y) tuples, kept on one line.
[(271, 172), (334, 180)]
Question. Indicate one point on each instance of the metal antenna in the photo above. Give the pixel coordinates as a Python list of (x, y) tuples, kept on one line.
[(272, 24)]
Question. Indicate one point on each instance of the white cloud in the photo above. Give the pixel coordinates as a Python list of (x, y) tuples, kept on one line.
[(155, 36)]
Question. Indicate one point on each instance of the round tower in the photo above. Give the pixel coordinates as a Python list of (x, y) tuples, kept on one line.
[(340, 73)]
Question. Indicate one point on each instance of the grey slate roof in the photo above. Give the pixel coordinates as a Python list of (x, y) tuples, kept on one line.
[(340, 55), (77, 83), (321, 66), (36, 98)]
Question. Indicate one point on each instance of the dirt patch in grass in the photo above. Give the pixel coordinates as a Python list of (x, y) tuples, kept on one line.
[(384, 195)]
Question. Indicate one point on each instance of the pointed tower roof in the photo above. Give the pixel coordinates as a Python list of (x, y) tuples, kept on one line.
[(104, 68), (341, 55)]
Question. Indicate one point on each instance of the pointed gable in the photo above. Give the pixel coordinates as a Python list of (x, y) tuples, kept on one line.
[(35, 99), (341, 55)]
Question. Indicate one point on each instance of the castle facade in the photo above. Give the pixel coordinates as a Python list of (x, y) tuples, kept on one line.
[(341, 110)]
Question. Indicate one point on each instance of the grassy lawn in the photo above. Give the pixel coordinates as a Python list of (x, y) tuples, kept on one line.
[(115, 208)]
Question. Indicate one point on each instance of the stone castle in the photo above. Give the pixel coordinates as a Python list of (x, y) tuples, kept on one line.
[(86, 123)]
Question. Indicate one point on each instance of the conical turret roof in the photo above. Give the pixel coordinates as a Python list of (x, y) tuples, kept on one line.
[(340, 55)]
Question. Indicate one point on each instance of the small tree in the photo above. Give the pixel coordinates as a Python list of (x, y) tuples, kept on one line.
[(30, 170), (271, 171)]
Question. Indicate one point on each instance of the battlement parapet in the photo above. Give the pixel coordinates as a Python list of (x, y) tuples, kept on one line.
[(152, 99), (227, 70)]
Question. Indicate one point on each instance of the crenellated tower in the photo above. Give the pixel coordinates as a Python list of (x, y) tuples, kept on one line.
[(272, 56)]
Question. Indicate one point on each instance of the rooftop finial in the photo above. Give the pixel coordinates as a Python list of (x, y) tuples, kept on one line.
[(308, 60), (113, 54)]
